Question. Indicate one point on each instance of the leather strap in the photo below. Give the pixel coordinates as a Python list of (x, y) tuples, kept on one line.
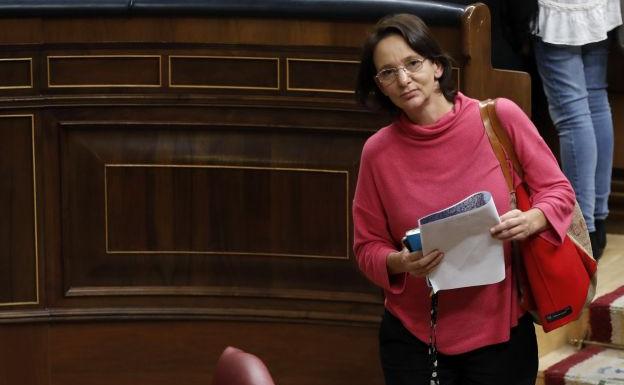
[(499, 139)]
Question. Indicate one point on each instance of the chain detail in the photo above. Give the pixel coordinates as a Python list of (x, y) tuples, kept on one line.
[(433, 350)]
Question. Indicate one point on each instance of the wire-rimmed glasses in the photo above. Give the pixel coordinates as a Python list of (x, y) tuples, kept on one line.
[(388, 76)]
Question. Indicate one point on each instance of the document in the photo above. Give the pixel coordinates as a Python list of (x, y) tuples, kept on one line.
[(472, 256)]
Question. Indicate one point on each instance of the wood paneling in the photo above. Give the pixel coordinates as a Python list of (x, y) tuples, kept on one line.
[(321, 75), (228, 72), (104, 71), (192, 207), (162, 353), (15, 73), (18, 229), (227, 210), (24, 354)]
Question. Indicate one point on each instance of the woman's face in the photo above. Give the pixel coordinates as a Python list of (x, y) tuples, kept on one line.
[(409, 91)]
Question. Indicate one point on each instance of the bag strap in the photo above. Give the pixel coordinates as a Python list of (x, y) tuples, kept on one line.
[(499, 139)]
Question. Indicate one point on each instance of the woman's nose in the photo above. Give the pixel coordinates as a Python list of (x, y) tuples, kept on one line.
[(403, 76)]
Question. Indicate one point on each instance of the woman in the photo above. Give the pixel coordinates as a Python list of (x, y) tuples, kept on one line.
[(434, 154), (571, 51)]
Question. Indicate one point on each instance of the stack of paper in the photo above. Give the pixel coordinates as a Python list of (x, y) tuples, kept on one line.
[(472, 256)]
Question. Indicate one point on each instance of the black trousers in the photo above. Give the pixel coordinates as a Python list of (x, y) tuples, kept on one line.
[(405, 361)]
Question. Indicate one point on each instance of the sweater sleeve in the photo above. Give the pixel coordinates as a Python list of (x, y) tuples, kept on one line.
[(551, 191), (372, 239)]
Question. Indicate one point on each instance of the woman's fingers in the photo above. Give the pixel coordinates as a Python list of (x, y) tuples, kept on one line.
[(514, 225), (421, 265), (517, 225)]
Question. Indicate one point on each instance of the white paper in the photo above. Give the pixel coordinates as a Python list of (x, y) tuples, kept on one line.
[(472, 256)]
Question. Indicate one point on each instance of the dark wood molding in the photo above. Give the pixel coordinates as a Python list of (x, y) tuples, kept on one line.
[(188, 314)]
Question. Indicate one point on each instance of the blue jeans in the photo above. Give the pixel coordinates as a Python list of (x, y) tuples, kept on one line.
[(574, 79)]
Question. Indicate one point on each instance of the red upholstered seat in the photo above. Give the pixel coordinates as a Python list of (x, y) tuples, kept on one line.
[(236, 367)]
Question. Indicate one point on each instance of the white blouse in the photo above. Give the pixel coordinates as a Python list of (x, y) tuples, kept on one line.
[(576, 22)]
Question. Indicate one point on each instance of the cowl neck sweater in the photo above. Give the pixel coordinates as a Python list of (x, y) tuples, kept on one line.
[(408, 171), (434, 130)]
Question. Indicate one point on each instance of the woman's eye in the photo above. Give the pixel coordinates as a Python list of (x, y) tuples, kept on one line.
[(413, 64), (386, 73)]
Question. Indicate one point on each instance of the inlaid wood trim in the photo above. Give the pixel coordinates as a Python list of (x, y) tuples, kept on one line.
[(77, 57), (29, 60), (323, 90), (343, 172), (220, 291), (213, 313), (219, 86)]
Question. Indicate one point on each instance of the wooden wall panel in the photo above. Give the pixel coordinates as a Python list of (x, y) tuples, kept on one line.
[(212, 209), (321, 75), (15, 73), (18, 228), (24, 354), (162, 353), (197, 209), (104, 71), (227, 72)]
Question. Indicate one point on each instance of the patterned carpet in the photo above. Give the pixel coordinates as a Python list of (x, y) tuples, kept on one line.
[(591, 366), (606, 315), (596, 365)]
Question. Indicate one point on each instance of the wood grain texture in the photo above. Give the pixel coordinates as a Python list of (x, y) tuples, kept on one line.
[(15, 73), (321, 75), (24, 354), (165, 352), (18, 232), (225, 72), (226, 209), (104, 71)]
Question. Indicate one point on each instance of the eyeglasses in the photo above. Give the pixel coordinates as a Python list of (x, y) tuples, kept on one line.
[(387, 76)]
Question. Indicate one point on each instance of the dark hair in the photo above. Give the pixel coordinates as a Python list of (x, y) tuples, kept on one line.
[(419, 38)]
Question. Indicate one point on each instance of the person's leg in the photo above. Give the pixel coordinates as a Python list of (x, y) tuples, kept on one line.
[(595, 57), (512, 363), (561, 69), (523, 352), (405, 359)]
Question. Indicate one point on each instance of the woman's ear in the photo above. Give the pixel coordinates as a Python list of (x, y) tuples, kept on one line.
[(438, 70)]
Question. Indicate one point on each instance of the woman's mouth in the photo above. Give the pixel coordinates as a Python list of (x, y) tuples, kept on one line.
[(408, 94)]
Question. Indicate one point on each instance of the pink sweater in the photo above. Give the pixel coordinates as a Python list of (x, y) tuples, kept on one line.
[(408, 171)]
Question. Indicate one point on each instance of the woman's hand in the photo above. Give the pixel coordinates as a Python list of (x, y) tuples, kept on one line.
[(517, 225), (415, 263)]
